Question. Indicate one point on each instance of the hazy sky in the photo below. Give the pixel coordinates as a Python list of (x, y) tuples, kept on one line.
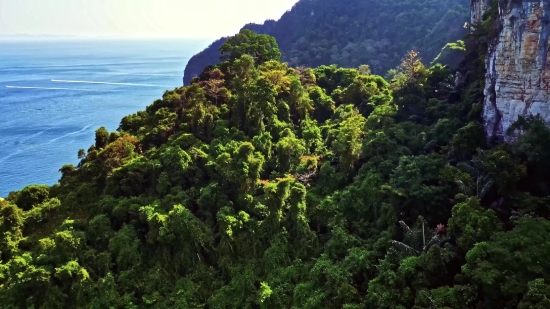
[(136, 18)]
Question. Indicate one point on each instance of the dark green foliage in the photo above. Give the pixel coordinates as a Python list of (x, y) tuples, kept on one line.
[(101, 138), (31, 196), (351, 33), (266, 186), (260, 46)]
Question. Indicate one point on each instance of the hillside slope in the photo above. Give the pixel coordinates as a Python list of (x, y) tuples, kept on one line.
[(352, 32), (264, 186)]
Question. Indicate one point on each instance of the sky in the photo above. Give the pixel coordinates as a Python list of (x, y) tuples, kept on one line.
[(136, 18)]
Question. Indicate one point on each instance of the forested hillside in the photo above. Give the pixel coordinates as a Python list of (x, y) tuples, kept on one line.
[(264, 186), (350, 33)]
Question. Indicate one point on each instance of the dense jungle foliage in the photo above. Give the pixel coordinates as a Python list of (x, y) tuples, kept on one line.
[(350, 33), (264, 186)]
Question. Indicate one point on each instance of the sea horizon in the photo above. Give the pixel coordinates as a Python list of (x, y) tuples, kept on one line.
[(44, 37), (55, 94)]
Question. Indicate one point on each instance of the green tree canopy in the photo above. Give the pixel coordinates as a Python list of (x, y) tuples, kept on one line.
[(260, 46)]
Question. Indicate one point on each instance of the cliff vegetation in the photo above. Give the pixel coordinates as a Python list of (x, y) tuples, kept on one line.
[(260, 185)]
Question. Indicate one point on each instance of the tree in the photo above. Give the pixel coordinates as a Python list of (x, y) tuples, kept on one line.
[(263, 186), (101, 138), (503, 268), (471, 224), (347, 137), (32, 195), (538, 296), (260, 46), (364, 69)]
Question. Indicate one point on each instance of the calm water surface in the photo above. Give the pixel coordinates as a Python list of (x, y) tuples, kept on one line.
[(55, 94)]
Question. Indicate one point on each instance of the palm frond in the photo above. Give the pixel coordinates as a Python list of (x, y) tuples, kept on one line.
[(404, 247), (432, 302), (435, 240), (429, 145), (462, 186), (483, 185), (405, 227)]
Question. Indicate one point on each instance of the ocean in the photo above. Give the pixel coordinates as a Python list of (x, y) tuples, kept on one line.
[(55, 94)]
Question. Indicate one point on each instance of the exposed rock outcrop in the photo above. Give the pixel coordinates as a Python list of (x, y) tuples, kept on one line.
[(518, 70), (479, 7)]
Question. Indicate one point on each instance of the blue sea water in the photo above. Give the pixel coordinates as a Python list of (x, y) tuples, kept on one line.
[(55, 94)]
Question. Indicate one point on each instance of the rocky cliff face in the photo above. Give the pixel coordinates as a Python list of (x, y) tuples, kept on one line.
[(518, 70), (478, 8)]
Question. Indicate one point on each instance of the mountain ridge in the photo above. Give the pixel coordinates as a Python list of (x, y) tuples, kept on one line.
[(263, 186), (350, 33)]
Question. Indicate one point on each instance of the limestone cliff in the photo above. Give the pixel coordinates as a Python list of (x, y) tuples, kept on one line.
[(478, 8), (518, 71)]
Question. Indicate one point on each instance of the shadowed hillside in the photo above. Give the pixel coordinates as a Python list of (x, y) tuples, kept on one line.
[(353, 32)]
